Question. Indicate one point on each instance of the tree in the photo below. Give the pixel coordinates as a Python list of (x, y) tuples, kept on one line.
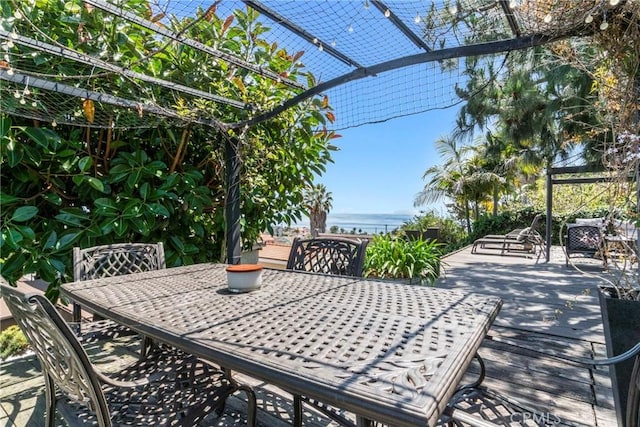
[(318, 203), (531, 116), (459, 178), (71, 186)]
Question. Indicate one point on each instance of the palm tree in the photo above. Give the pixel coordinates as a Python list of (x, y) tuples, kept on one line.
[(318, 202)]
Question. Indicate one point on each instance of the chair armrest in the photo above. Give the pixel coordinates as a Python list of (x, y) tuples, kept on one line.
[(130, 384), (583, 361)]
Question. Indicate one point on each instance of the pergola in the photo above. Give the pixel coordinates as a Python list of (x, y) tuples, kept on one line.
[(408, 53)]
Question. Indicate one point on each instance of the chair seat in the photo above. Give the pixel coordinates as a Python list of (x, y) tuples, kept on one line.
[(183, 391), (105, 330)]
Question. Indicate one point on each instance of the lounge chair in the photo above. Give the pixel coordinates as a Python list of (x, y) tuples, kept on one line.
[(513, 234), (524, 240)]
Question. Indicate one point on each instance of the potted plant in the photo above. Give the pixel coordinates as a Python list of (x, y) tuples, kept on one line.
[(621, 324), (619, 296)]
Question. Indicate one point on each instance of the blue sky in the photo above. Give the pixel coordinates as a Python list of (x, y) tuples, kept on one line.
[(379, 166)]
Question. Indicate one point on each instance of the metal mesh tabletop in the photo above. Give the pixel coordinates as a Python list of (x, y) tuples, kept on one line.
[(386, 351)]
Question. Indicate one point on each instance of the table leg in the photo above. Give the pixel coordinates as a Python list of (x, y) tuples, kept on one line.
[(297, 410)]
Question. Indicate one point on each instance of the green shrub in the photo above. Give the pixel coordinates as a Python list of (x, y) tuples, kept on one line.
[(391, 257), (12, 342)]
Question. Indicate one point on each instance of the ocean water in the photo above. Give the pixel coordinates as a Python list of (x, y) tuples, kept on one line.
[(363, 223)]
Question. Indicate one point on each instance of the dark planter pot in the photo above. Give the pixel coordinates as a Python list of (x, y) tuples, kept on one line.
[(621, 322), (431, 233)]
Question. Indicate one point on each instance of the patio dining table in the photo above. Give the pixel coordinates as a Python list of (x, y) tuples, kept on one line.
[(386, 351)]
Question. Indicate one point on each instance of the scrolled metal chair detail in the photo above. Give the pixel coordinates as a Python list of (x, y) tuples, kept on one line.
[(344, 257), (113, 260), (168, 387)]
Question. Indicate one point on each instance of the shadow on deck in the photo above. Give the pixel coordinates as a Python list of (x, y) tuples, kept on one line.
[(547, 307)]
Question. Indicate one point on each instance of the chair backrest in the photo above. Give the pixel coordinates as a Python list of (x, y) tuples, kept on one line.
[(117, 259), (535, 224), (64, 362), (583, 238), (338, 256), (528, 234), (113, 260)]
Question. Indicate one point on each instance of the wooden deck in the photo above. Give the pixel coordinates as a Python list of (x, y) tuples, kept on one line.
[(545, 308)]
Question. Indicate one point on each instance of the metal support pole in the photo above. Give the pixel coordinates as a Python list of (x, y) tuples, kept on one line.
[(232, 201), (549, 221)]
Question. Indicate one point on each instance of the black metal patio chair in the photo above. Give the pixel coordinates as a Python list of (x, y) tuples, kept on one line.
[(585, 240), (166, 388), (344, 257), (327, 255), (107, 261)]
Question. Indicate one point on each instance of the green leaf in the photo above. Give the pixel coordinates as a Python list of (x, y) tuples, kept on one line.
[(24, 213), (27, 232), (14, 238), (50, 240), (38, 136), (46, 270), (85, 163), (33, 154), (96, 184), (106, 207), (145, 190), (134, 178), (159, 209), (131, 210), (58, 265), (72, 7), (15, 262), (66, 241), (121, 227), (177, 243), (105, 203), (66, 153), (141, 226), (53, 198), (14, 154), (107, 226), (6, 199), (5, 125), (72, 216), (170, 182)]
